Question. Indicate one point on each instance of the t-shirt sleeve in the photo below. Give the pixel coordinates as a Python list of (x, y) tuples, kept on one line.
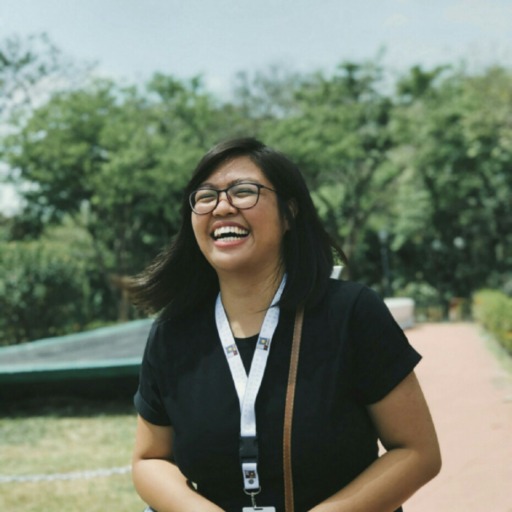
[(148, 398), (383, 356)]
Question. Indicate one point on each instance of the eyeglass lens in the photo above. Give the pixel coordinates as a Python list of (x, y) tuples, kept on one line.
[(241, 195)]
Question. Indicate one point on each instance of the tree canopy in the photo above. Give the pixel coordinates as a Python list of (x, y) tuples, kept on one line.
[(419, 172)]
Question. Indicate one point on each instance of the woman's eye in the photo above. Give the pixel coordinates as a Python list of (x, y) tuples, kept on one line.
[(244, 191), (206, 196)]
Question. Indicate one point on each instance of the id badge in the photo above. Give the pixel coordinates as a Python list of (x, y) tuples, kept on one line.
[(259, 509)]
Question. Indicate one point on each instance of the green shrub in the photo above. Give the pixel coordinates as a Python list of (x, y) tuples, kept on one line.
[(427, 303), (493, 309), (42, 291)]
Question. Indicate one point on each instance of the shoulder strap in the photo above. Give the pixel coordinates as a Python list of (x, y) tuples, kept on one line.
[(288, 411)]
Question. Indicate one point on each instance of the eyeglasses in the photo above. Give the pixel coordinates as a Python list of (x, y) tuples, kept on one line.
[(240, 195)]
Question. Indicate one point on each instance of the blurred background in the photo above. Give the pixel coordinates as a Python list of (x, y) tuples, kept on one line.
[(398, 112)]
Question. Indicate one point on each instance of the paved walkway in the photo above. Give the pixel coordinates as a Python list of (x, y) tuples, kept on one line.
[(470, 397)]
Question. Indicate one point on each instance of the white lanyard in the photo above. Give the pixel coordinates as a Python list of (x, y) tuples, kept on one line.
[(247, 387)]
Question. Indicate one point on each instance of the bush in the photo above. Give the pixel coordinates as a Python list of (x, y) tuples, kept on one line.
[(493, 309), (43, 291), (427, 304)]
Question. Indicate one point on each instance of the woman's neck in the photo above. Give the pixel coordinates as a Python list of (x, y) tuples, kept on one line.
[(246, 301)]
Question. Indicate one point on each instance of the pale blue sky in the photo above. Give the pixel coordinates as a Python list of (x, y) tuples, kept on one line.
[(133, 38)]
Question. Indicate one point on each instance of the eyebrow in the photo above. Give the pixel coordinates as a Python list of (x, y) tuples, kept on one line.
[(208, 184)]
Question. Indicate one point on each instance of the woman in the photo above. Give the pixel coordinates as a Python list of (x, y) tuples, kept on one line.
[(250, 251)]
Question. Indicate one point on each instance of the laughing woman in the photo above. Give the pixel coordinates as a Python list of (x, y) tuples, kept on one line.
[(252, 254)]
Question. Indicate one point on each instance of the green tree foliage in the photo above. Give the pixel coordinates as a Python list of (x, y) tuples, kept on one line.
[(103, 166), (453, 137), (31, 69), (23, 64), (113, 160), (43, 291), (338, 132), (264, 96)]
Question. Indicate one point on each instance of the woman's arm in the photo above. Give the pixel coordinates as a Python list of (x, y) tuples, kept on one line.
[(159, 482), (405, 428)]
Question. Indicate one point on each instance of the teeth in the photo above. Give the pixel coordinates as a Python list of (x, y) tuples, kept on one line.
[(230, 231)]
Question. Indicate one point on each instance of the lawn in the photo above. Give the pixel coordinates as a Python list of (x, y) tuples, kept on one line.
[(62, 437)]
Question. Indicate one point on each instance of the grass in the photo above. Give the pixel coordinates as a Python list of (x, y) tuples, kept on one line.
[(62, 437)]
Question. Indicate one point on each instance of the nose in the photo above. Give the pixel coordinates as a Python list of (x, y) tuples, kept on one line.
[(223, 206)]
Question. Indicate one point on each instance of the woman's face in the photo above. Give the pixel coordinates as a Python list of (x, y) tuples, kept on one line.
[(241, 241)]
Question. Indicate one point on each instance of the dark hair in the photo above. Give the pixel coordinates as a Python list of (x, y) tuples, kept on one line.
[(180, 278)]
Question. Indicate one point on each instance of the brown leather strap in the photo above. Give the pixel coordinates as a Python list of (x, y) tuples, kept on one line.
[(288, 412)]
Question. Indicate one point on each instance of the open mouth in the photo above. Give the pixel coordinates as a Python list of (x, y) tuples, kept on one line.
[(229, 233)]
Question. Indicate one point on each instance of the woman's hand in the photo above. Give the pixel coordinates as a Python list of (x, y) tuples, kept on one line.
[(159, 482)]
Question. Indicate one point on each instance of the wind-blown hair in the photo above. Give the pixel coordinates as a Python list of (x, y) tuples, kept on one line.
[(180, 278)]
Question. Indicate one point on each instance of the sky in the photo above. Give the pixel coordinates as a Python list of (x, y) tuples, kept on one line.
[(131, 39)]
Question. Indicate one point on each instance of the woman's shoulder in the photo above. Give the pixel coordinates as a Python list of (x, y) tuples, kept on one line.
[(342, 291), (352, 298), (187, 325), (337, 303)]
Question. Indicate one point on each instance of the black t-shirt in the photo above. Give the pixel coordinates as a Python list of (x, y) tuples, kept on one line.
[(246, 348), (352, 354)]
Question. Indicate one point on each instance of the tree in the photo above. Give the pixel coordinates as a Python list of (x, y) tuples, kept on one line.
[(114, 160), (31, 68), (455, 141), (338, 133), (261, 98), (43, 291)]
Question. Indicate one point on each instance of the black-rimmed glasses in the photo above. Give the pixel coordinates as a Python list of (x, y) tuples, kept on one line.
[(240, 195)]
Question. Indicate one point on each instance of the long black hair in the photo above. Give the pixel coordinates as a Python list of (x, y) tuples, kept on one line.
[(180, 278)]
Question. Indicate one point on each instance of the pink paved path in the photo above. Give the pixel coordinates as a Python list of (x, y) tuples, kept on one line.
[(470, 397)]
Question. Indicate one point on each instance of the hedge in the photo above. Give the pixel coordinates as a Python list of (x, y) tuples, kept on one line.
[(43, 291), (493, 309)]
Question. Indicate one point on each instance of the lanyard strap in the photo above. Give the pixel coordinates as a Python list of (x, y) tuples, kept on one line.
[(247, 387)]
